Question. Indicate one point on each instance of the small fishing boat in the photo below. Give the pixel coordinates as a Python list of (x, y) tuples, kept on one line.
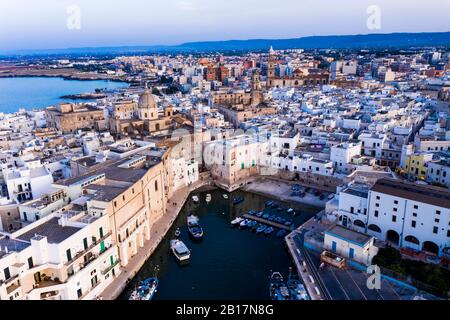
[(288, 223), (145, 289), (281, 233), (268, 230), (268, 203), (177, 232), (237, 200), (278, 289), (266, 216), (194, 227), (252, 224), (261, 228), (290, 210), (236, 221), (259, 214), (208, 198), (225, 196), (195, 199), (296, 288), (179, 250), (244, 223), (252, 212)]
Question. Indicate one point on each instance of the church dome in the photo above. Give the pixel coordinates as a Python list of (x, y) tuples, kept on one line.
[(146, 100)]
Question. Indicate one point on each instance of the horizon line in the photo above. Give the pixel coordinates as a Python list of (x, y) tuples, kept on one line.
[(11, 51)]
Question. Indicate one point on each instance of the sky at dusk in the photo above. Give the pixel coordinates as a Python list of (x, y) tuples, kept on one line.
[(43, 24)]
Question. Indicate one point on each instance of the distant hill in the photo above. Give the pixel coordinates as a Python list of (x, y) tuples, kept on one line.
[(367, 41)]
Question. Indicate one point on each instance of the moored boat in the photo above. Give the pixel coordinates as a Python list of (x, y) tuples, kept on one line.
[(179, 250), (237, 200), (194, 227), (296, 288), (177, 232), (252, 224), (281, 233), (208, 198), (225, 196), (195, 199), (268, 230), (244, 223), (278, 289), (236, 221), (261, 228), (145, 289)]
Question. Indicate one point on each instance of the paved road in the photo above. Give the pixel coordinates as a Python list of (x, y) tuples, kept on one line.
[(351, 284)]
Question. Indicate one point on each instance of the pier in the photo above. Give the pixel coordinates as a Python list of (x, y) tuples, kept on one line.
[(268, 222)]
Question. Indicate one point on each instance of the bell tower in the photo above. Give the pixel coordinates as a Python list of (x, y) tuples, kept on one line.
[(271, 68), (257, 95)]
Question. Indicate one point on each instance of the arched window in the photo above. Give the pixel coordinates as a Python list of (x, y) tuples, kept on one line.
[(359, 223), (374, 227), (156, 185), (412, 239)]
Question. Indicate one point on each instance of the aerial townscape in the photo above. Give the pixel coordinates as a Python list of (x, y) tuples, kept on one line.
[(283, 173)]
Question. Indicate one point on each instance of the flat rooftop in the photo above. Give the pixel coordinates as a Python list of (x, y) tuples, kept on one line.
[(427, 194), (106, 192), (51, 229), (350, 235)]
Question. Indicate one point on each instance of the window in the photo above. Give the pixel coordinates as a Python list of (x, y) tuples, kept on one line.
[(395, 202), (435, 230), (416, 207), (376, 213), (394, 218), (156, 185), (414, 214), (436, 220), (30, 263), (69, 255), (377, 205), (413, 224), (378, 197), (85, 243), (438, 212), (7, 273), (395, 209), (352, 210)]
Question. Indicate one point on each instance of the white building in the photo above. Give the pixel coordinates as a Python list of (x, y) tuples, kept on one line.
[(65, 256), (410, 215)]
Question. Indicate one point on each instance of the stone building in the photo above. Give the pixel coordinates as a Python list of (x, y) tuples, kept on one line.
[(300, 76), (69, 117), (141, 118), (239, 106)]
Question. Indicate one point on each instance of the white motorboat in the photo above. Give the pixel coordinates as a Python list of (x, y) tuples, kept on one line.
[(236, 221), (179, 250), (208, 198), (195, 199), (244, 223), (225, 196)]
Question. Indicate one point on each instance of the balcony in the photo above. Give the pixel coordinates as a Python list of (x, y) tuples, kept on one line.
[(87, 250), (108, 269)]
